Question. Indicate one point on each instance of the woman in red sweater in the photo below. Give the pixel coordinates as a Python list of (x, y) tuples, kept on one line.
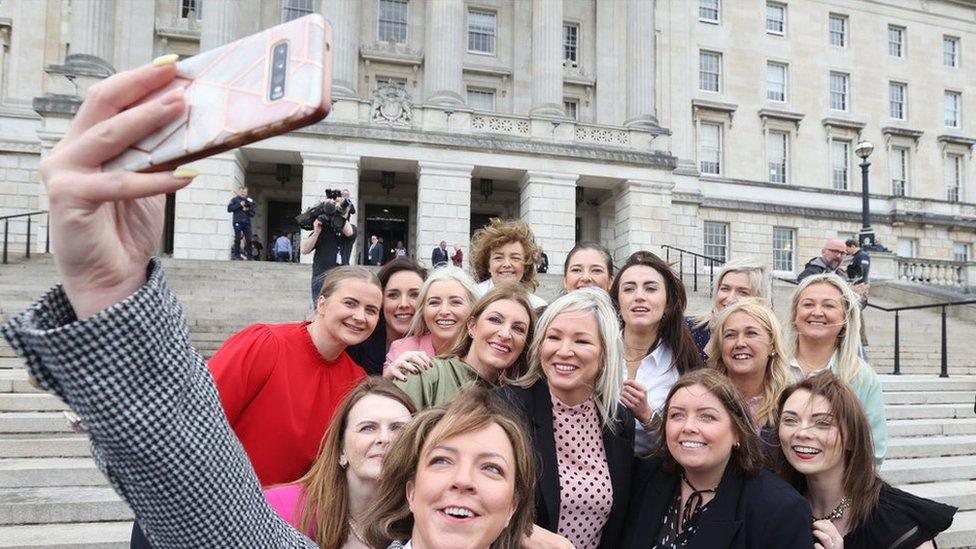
[(279, 384)]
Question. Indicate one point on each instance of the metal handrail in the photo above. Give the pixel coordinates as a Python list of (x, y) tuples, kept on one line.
[(29, 215), (681, 265)]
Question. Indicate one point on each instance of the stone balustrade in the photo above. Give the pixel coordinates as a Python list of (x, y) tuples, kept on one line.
[(937, 272)]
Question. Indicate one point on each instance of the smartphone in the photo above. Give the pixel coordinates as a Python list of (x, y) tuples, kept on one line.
[(263, 85)]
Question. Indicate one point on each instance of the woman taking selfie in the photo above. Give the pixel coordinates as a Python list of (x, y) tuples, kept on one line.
[(747, 346), (444, 304), (738, 279), (658, 347), (826, 319), (582, 435), (457, 476), (401, 279), (706, 488), (505, 251), (490, 348), (588, 264), (828, 456)]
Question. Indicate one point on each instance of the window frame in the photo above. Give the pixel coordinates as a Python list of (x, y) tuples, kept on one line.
[(846, 93), (782, 21), (904, 163), (723, 235), (845, 32), (287, 9), (847, 163), (718, 12), (785, 83), (380, 21), (956, 43), (912, 245), (902, 44), (187, 5), (902, 104), (574, 47), (957, 111), (954, 170), (791, 251), (474, 90), (702, 54), (783, 145), (720, 130), (493, 37), (967, 252), (575, 104)]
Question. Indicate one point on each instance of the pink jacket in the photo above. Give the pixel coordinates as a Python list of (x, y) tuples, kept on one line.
[(284, 500), (423, 343)]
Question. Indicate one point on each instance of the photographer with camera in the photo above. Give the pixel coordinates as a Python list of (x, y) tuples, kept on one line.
[(243, 209), (332, 234)]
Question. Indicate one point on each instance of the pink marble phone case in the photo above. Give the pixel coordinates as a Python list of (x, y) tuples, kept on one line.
[(228, 101)]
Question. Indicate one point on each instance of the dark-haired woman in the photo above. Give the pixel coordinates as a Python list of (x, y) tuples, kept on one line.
[(658, 347), (706, 487), (402, 279), (587, 264), (827, 455)]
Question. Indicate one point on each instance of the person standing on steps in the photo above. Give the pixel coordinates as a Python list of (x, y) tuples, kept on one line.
[(243, 209), (439, 255)]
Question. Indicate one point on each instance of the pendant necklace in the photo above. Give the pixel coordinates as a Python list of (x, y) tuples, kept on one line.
[(838, 511)]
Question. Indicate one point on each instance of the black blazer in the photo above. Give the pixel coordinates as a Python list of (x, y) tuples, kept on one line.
[(535, 406), (760, 512)]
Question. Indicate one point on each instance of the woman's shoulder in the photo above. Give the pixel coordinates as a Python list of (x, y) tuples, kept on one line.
[(771, 490), (901, 516)]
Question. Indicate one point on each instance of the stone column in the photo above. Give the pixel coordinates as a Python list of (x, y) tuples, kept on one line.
[(643, 209), (221, 23), (548, 204), (443, 207), (640, 56), (547, 65), (344, 16), (203, 227), (443, 45), (331, 171), (135, 44), (92, 35)]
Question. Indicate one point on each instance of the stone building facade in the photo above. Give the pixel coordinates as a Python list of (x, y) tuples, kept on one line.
[(719, 126)]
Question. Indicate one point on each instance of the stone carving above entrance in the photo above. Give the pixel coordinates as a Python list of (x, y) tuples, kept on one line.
[(391, 106)]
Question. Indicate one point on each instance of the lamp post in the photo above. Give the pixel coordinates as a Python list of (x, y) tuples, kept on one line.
[(866, 238)]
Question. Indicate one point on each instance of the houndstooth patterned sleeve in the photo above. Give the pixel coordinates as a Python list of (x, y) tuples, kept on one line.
[(157, 429)]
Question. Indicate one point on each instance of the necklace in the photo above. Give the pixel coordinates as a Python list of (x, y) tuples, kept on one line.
[(811, 369), (357, 532), (838, 511), (696, 501)]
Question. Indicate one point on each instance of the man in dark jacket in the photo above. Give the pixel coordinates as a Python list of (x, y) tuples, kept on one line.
[(439, 255), (831, 256), (374, 254), (243, 209), (857, 271)]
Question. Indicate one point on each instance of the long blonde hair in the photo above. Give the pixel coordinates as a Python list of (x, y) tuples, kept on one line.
[(777, 375), (418, 326), (849, 361), (759, 280), (609, 381)]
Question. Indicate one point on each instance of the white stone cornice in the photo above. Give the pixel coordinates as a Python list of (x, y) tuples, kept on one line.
[(20, 146), (552, 178), (348, 161), (450, 169)]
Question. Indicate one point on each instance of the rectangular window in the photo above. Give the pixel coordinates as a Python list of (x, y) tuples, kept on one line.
[(293, 9), (710, 148), (709, 70), (838, 30), (896, 41), (960, 251), (950, 51), (399, 83), (571, 45), (899, 171), (953, 103), (775, 18), (481, 100), (716, 242), (481, 31), (775, 81), (571, 108), (393, 21), (708, 11), (784, 242), (839, 88), (896, 100), (905, 247), (186, 6), (840, 164), (777, 154), (953, 177)]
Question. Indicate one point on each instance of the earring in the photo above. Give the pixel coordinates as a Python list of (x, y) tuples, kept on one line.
[(343, 462)]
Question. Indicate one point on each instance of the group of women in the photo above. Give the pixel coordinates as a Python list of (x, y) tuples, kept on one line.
[(502, 430)]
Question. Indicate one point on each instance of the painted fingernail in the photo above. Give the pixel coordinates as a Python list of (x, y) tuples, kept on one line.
[(185, 173), (164, 60), (172, 96)]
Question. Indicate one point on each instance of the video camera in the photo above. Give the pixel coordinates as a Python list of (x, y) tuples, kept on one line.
[(331, 213)]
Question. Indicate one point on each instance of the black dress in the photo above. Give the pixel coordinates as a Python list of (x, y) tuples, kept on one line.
[(371, 353), (900, 521)]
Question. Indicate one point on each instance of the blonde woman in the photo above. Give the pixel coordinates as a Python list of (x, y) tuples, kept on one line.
[(825, 317), (443, 307), (738, 279), (747, 346), (505, 251)]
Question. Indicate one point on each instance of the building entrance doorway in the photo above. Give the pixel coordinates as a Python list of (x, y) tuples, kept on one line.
[(281, 220), (478, 220), (388, 223)]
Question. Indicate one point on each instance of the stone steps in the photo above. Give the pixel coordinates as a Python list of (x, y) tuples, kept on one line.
[(44, 445), (962, 533), (82, 535), (929, 469), (49, 472), (44, 505), (957, 445)]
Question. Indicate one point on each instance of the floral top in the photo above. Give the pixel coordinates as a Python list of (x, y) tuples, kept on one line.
[(670, 537)]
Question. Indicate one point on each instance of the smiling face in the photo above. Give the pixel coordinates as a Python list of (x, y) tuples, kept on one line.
[(371, 425), (350, 314), (570, 353), (587, 268), (507, 263), (699, 432), (733, 287), (497, 337), (463, 494), (809, 436), (446, 309), (400, 301), (820, 313), (746, 346), (642, 297)]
